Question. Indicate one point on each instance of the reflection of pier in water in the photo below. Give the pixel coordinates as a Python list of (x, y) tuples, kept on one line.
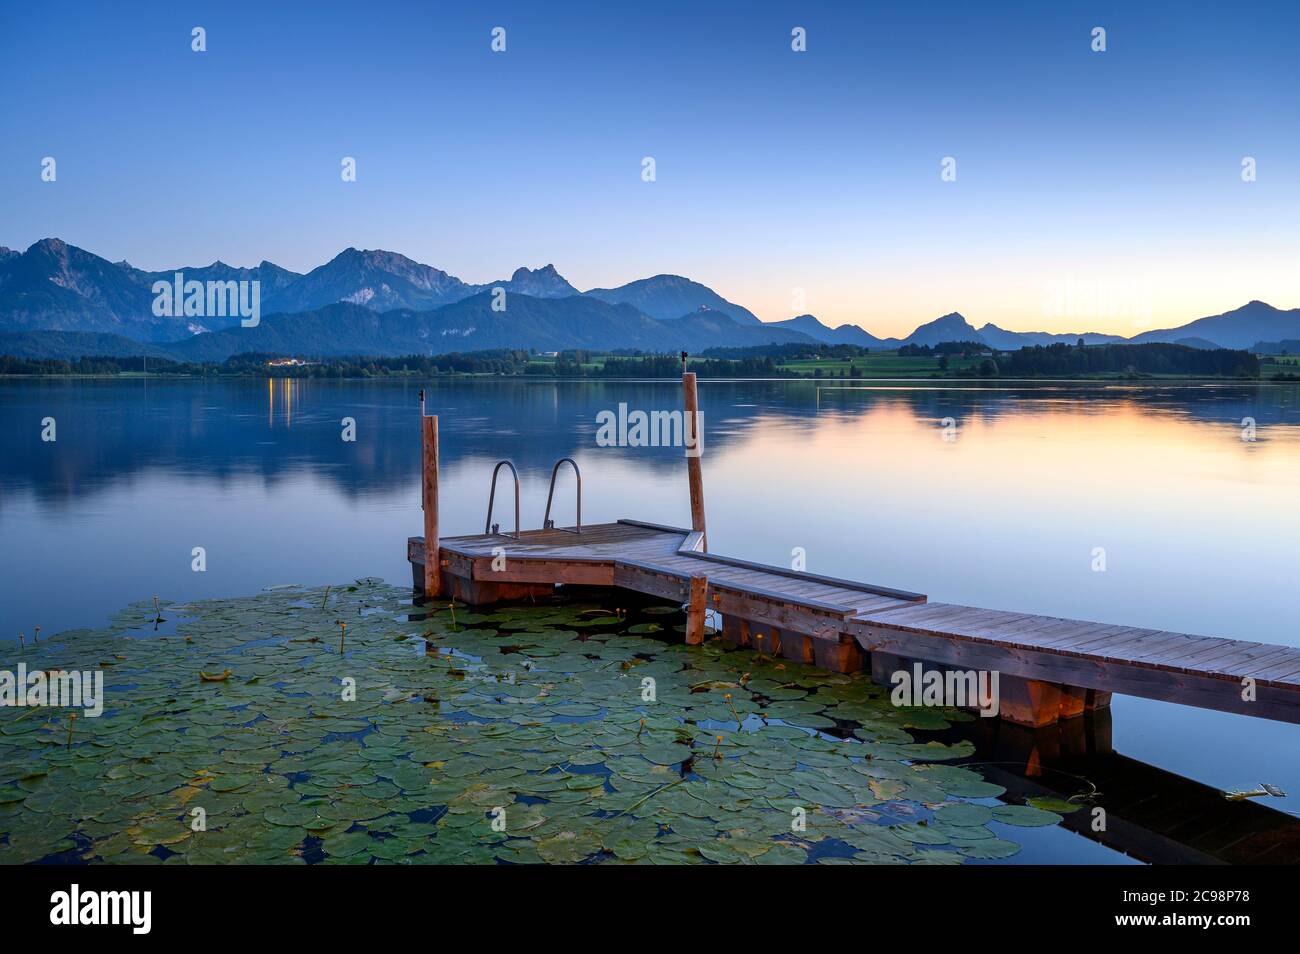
[(1150, 814)]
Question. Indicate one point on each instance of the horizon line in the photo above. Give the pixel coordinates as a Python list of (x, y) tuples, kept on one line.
[(582, 293)]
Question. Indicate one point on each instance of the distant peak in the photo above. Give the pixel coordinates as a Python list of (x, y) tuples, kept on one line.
[(546, 271)]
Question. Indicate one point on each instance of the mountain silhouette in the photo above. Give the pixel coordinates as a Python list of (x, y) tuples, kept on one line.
[(56, 297)]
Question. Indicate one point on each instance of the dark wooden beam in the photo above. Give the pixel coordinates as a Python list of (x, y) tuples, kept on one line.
[(432, 566)]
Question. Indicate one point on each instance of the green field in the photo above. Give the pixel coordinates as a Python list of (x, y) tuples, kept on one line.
[(883, 364), (1279, 364), (595, 363)]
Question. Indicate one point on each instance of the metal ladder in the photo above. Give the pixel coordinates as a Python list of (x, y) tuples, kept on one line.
[(547, 522), (494, 529)]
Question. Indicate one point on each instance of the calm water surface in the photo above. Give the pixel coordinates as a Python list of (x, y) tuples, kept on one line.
[(1200, 528)]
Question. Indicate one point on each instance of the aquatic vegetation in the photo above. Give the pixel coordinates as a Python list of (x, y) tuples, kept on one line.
[(518, 734)]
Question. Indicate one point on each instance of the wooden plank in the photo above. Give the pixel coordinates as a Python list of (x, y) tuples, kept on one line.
[(697, 604), (653, 526), (1167, 647), (693, 542), (811, 577), (1288, 672), (1266, 658), (1203, 690), (1073, 632), (877, 604), (1060, 636), (1155, 646), (694, 471), (584, 573), (1211, 648), (1004, 627), (1113, 642), (944, 618), (839, 611), (429, 499), (1220, 662), (810, 612)]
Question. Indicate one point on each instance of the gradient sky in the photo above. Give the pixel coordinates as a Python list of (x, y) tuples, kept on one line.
[(1116, 171)]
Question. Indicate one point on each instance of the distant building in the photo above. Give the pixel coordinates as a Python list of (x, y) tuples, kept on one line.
[(550, 354), (289, 363)]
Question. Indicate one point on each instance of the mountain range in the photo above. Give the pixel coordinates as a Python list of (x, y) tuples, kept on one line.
[(57, 299)]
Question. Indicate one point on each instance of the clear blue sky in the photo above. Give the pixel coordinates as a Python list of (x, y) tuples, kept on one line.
[(777, 170)]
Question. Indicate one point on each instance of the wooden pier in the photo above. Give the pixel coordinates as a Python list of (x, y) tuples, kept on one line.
[(1049, 668)]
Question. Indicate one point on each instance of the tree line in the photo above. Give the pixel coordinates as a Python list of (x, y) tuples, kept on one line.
[(1056, 360), (1062, 360)]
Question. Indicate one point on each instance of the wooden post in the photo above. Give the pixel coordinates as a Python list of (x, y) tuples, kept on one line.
[(695, 611), (691, 403), (432, 562)]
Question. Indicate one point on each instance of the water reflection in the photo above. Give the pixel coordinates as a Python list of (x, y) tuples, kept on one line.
[(1147, 813), (1201, 530), (111, 430)]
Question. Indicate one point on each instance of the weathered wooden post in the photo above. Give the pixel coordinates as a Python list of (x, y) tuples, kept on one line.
[(694, 430), (695, 611), (432, 565)]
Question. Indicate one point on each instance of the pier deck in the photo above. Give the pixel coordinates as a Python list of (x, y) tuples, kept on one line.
[(1050, 668)]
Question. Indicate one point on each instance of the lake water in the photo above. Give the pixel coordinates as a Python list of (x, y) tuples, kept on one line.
[(1001, 495)]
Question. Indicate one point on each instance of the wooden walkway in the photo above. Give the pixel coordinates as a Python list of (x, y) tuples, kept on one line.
[(1050, 668)]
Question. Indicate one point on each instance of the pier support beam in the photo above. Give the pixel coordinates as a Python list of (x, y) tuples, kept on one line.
[(794, 646), (483, 593), (837, 652), (432, 561), (695, 610), (735, 630), (694, 436), (840, 654), (1033, 703)]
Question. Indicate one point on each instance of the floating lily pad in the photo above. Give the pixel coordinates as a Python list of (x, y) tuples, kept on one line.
[(524, 735), (1025, 816)]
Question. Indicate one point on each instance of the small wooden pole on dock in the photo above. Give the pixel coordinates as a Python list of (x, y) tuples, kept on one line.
[(432, 566), (691, 403), (695, 611)]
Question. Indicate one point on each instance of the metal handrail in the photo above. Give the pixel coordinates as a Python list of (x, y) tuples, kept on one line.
[(494, 528), (547, 522)]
